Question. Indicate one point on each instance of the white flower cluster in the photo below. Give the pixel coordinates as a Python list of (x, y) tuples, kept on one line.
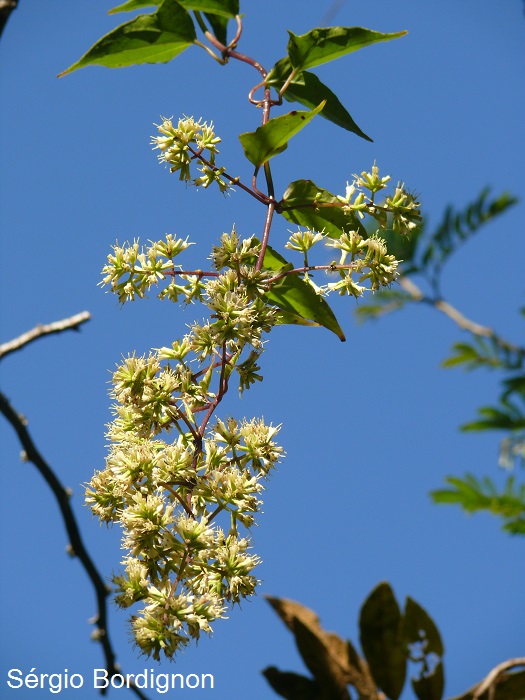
[(182, 502), (180, 145)]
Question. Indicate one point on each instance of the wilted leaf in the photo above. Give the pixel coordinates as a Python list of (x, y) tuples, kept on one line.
[(324, 653)]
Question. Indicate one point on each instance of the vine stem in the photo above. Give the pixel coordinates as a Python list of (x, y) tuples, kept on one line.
[(234, 180)]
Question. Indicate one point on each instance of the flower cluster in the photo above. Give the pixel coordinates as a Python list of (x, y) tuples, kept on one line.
[(179, 145), (182, 501), (184, 484), (132, 270), (400, 211)]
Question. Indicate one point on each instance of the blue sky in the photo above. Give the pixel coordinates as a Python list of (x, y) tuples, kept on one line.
[(370, 426)]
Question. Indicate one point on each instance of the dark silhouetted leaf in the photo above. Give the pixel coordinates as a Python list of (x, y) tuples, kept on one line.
[(382, 642), (292, 686), (423, 638), (418, 626), (430, 687)]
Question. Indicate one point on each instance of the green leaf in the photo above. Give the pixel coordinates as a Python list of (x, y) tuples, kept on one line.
[(223, 8), (489, 352), (383, 302), (403, 247), (458, 226), (154, 38), (326, 44), (307, 89), (219, 26), (467, 354), (496, 419), (294, 296), (272, 138), (380, 626), (288, 318), (473, 495), (133, 5), (306, 204)]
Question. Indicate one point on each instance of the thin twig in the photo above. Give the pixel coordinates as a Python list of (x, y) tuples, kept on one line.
[(235, 181), (455, 315), (6, 7), (311, 268), (62, 496), (72, 323)]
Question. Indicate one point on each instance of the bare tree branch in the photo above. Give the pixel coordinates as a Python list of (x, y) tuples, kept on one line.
[(71, 323), (6, 7), (62, 495), (455, 315)]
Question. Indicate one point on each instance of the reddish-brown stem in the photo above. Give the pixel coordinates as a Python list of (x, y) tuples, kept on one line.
[(311, 268), (266, 234), (234, 180), (196, 273), (223, 388), (179, 499), (180, 414)]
